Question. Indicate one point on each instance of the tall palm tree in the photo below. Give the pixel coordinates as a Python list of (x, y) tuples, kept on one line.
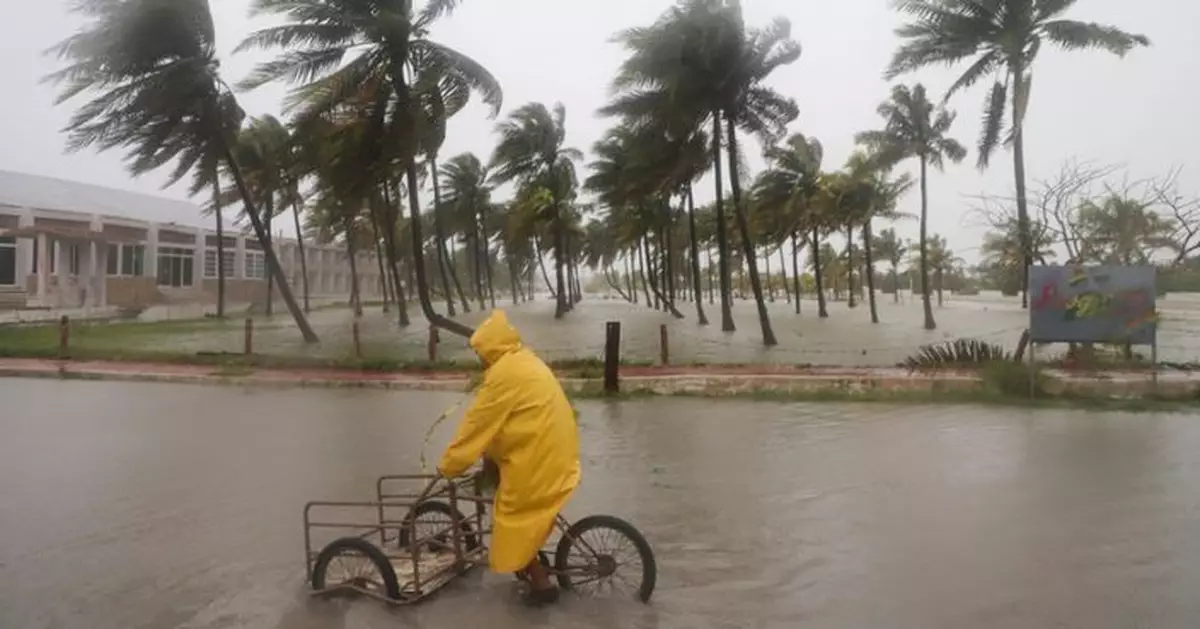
[(1002, 39), (872, 194), (891, 248), (914, 127), (787, 189), (532, 150), (151, 70), (336, 46), (468, 200), (264, 151)]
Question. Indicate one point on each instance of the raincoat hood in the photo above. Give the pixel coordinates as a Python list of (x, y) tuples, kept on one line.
[(494, 338)]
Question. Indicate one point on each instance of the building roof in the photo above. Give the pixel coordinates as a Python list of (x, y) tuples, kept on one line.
[(49, 193)]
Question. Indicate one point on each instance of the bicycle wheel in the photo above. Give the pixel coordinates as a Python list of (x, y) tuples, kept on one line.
[(602, 553), (430, 517), (355, 562)]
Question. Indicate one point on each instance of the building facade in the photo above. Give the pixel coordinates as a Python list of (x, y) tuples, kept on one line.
[(70, 245)]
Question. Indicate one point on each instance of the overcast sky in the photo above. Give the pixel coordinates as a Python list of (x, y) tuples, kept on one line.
[(1140, 111)]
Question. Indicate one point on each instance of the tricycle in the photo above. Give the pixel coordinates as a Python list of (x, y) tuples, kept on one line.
[(405, 545)]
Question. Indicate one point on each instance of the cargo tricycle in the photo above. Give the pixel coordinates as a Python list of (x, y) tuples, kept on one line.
[(422, 531)]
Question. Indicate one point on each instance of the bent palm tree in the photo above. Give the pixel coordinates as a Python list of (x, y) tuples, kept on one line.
[(786, 190), (336, 46), (531, 150), (915, 128), (151, 69), (1002, 38)]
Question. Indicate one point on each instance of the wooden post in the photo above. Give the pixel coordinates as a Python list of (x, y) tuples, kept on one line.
[(1019, 354), (433, 343), (357, 341), (663, 344), (64, 335), (249, 336), (612, 356)]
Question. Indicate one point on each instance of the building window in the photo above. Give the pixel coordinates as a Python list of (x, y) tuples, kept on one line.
[(175, 266), (210, 262), (8, 261), (126, 260), (256, 265)]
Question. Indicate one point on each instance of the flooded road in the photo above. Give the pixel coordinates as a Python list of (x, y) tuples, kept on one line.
[(131, 506)]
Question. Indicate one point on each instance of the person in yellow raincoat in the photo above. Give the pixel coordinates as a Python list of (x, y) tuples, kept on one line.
[(522, 421)]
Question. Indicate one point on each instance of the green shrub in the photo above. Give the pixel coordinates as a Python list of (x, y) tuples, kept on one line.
[(956, 353)]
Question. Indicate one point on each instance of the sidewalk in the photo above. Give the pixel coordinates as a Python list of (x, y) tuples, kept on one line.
[(707, 380)]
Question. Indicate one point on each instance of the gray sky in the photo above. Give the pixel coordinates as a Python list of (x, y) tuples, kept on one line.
[(1137, 111)]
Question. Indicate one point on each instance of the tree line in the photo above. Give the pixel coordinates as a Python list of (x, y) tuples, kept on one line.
[(373, 93)]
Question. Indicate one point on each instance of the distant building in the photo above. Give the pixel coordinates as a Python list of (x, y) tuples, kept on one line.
[(65, 244)]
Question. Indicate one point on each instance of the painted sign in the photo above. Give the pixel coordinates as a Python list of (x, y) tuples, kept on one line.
[(1092, 304)]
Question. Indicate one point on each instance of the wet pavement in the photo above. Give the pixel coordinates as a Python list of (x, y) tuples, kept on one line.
[(135, 506)]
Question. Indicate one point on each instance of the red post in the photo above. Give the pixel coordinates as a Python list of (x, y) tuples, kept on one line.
[(664, 345), (249, 336), (64, 335)]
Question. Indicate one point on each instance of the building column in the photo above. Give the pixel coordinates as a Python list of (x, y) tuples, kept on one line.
[(43, 268), (150, 264), (239, 258), (198, 263), (24, 250), (98, 266), (92, 285)]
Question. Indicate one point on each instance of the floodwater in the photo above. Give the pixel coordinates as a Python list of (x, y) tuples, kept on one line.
[(846, 338), (133, 506)]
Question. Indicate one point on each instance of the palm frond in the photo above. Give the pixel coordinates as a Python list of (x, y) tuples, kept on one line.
[(993, 122), (1073, 35)]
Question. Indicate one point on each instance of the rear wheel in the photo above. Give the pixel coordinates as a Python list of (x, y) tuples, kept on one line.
[(604, 555), (436, 518), (355, 562)]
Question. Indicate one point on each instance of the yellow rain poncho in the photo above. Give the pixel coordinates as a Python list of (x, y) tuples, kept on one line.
[(521, 420)]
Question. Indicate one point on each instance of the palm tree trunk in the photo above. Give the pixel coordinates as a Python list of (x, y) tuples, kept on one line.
[(850, 266), (727, 324), (787, 289), (938, 275), (440, 233), (870, 270), (355, 289), (270, 279), (651, 271), (767, 270), (764, 319), (896, 283), (514, 282), (817, 274), (666, 303), (273, 267), (220, 245), (388, 228), (711, 285), (796, 269), (384, 284), (640, 262), (930, 324), (303, 259), (537, 248), (487, 255), (629, 283), (694, 247), (478, 266), (414, 210), (560, 298), (1023, 226)]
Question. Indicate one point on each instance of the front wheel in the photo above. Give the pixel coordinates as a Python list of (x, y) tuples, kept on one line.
[(604, 554)]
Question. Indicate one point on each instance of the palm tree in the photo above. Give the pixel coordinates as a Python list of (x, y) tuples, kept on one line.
[(337, 46), (915, 128), (872, 195), (1120, 230), (943, 261), (468, 200), (264, 153), (1001, 38), (787, 190), (1004, 255), (891, 248), (531, 150), (151, 70)]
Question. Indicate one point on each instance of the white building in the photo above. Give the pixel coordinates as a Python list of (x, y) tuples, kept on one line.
[(65, 244)]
